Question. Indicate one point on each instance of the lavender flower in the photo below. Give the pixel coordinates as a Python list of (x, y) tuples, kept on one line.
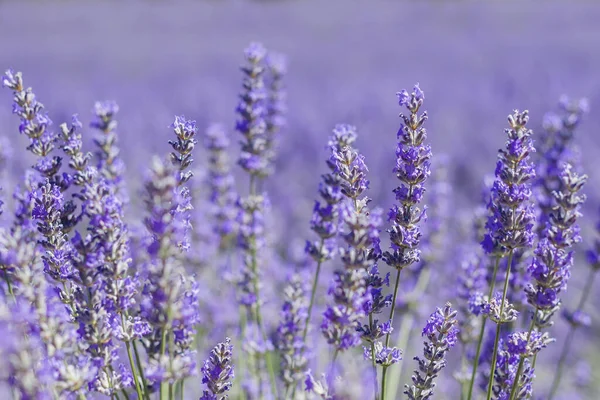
[(221, 182), (275, 105), (506, 371), (325, 218), (412, 169), (557, 147), (349, 290), (110, 165), (169, 297), (35, 124), (218, 372), (550, 269), (290, 342), (252, 112), (442, 335), (251, 240), (510, 224), (185, 131)]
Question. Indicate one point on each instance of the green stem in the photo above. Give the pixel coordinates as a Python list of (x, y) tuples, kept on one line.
[(482, 332), (125, 394), (313, 293), (383, 382), (393, 307), (374, 362), (133, 371), (498, 325), (141, 369), (404, 333)]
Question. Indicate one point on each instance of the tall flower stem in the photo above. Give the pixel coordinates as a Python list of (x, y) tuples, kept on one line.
[(498, 325), (138, 389), (406, 329), (139, 363), (313, 292), (387, 336), (393, 307), (570, 335), (482, 332)]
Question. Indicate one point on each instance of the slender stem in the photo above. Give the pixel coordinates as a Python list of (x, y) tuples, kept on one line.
[(567, 346), (404, 334), (133, 371), (313, 293), (139, 363), (393, 306), (522, 359), (125, 394), (561, 363), (383, 382), (482, 331), (374, 361), (498, 325), (9, 286)]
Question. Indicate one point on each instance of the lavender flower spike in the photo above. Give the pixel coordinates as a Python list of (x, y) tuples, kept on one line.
[(110, 165), (412, 170), (290, 342), (276, 105), (442, 335), (510, 224), (221, 183), (218, 372), (252, 112), (550, 269), (349, 291)]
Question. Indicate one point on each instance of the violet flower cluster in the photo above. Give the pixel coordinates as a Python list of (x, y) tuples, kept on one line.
[(96, 304)]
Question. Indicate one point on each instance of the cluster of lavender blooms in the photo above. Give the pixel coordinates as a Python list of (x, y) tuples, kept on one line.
[(96, 305)]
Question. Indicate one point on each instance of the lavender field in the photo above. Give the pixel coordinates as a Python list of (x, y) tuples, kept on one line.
[(202, 229)]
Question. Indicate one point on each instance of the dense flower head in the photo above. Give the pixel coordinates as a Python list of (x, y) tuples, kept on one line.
[(289, 339), (507, 365), (510, 223), (557, 147), (185, 132), (442, 335), (350, 293), (252, 241), (384, 356), (350, 167), (110, 165), (276, 104), (35, 124), (252, 110), (550, 268), (499, 311), (325, 217), (221, 182), (217, 371), (169, 295), (412, 170)]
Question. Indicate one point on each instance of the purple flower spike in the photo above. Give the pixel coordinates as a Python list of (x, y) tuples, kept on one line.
[(218, 372), (412, 170), (442, 335), (510, 223)]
